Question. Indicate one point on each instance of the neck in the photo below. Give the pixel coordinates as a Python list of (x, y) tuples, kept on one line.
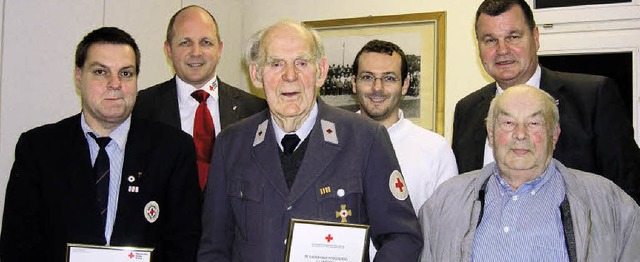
[(515, 178), (101, 128), (290, 124), (390, 120)]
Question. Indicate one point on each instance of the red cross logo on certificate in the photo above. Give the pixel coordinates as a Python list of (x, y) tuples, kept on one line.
[(130, 255), (328, 238), (343, 213)]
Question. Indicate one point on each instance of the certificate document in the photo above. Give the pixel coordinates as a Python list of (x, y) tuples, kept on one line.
[(95, 253), (321, 241)]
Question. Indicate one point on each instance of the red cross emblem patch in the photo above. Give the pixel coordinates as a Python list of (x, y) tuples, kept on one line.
[(397, 186)]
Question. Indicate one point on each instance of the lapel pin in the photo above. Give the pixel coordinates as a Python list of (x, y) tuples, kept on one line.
[(131, 179)]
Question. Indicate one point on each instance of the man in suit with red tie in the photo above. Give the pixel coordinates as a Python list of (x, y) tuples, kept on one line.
[(196, 100)]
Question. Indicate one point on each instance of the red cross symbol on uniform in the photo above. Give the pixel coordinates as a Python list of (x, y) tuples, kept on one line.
[(329, 131), (152, 212), (328, 238), (399, 185)]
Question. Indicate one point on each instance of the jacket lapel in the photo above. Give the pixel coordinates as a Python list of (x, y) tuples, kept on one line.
[(169, 96), (265, 154), (228, 105)]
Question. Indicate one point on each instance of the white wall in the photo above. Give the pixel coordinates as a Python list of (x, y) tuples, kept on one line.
[(38, 44)]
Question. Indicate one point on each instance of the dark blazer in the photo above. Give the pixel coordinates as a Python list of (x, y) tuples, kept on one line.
[(596, 135), (51, 198), (160, 103), (248, 206)]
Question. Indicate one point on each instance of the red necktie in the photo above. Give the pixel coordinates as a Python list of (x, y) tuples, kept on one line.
[(203, 136)]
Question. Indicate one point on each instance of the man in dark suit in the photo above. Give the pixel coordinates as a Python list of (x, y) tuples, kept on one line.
[(333, 165), (596, 135), (55, 196), (194, 47)]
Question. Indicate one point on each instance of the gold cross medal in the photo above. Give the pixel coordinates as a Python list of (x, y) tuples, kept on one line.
[(343, 213)]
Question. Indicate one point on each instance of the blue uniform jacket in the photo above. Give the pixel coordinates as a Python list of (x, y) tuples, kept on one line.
[(247, 205)]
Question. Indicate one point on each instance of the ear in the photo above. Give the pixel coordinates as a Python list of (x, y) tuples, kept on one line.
[(489, 134), (77, 76), (536, 37), (220, 46), (256, 78), (167, 49), (556, 135), (323, 70), (353, 84), (405, 85)]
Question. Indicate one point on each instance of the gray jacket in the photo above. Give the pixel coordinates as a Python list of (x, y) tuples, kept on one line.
[(606, 221)]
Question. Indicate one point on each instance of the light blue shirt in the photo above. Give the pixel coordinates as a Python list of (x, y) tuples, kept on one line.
[(524, 225), (302, 132), (115, 150)]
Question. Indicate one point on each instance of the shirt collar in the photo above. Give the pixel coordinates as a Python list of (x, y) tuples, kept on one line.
[(119, 135), (397, 123), (533, 81), (303, 131), (185, 89), (533, 185)]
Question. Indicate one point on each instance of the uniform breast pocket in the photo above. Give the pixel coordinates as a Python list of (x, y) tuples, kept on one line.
[(246, 202), (341, 201)]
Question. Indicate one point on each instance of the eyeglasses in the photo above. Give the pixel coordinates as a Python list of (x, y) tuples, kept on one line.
[(369, 80)]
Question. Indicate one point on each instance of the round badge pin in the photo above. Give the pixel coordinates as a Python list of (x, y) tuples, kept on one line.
[(397, 186), (152, 211), (131, 179)]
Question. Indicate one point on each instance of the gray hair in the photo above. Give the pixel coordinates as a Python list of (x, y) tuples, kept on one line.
[(550, 109), (254, 53)]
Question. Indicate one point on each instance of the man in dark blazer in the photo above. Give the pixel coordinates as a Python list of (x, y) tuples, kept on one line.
[(194, 47), (596, 134), (340, 167), (52, 197)]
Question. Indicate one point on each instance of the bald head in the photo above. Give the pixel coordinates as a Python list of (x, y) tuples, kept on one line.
[(190, 12)]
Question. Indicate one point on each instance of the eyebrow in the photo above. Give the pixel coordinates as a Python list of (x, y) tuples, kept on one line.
[(98, 64), (502, 112)]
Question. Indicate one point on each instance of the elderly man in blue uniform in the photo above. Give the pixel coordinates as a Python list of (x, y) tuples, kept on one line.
[(340, 167), (526, 205)]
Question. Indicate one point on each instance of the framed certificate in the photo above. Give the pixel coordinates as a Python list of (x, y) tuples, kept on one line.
[(96, 253), (311, 240)]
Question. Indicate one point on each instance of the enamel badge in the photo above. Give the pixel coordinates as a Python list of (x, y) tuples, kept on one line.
[(260, 133), (329, 131), (152, 211), (397, 186)]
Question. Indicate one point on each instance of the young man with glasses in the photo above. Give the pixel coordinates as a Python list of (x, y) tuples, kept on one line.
[(380, 81)]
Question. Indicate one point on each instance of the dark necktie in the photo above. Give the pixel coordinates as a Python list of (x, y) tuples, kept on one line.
[(289, 143), (101, 172), (203, 136)]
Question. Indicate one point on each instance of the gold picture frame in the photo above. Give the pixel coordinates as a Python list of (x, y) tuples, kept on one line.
[(422, 38)]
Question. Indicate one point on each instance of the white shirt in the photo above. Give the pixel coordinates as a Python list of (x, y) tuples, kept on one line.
[(533, 81), (302, 132), (426, 160), (115, 151), (188, 105)]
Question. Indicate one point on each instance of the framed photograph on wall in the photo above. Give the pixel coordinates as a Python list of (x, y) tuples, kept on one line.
[(420, 35)]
